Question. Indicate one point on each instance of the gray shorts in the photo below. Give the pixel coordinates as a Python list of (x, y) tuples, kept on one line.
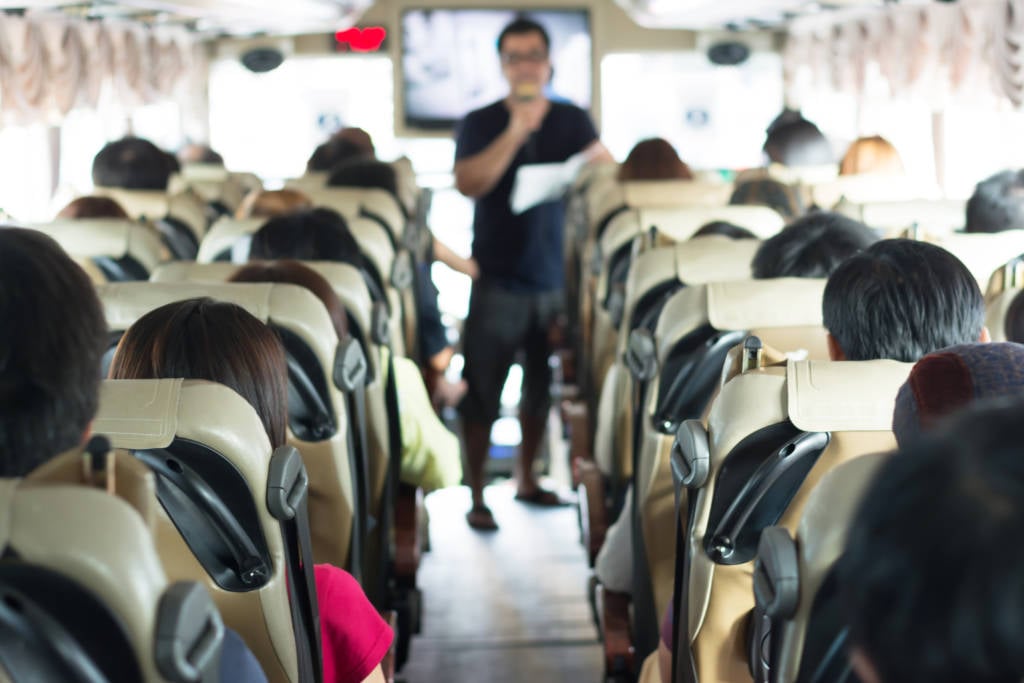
[(500, 325)]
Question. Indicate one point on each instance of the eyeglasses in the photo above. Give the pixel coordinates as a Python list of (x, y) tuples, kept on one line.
[(514, 58)]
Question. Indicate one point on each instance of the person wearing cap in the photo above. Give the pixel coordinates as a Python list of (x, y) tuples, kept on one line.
[(518, 297)]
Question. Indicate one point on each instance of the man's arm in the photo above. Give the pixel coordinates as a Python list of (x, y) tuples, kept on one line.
[(477, 175)]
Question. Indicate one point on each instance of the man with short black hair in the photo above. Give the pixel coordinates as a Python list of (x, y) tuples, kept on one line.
[(812, 246), (932, 580), (901, 299), (518, 296), (997, 203), (133, 164)]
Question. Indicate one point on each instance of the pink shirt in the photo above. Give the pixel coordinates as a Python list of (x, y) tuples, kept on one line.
[(353, 637)]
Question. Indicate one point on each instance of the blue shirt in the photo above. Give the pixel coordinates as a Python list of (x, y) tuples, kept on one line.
[(522, 253)]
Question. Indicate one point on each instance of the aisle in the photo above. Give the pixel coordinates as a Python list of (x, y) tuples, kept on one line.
[(506, 607)]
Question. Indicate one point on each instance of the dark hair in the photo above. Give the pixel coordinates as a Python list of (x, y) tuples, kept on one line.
[(52, 338), (725, 229), (357, 136), (313, 235), (520, 26), (273, 203), (199, 154), (1013, 324), (997, 203), (333, 152), (902, 299), (212, 340), (132, 164), (771, 193), (812, 246), (93, 207), (365, 172), (654, 159), (932, 580), (798, 142), (296, 273)]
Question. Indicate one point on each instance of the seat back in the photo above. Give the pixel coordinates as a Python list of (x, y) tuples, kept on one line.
[(675, 193), (680, 223), (220, 521), (937, 216), (117, 250), (995, 314), (870, 188), (983, 253), (365, 202), (215, 184), (798, 626), (181, 218), (85, 597), (228, 239), (771, 435)]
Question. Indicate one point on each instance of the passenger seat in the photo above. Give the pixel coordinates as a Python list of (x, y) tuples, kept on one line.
[(110, 249)]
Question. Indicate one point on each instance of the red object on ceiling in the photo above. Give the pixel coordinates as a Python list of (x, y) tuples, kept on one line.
[(357, 39)]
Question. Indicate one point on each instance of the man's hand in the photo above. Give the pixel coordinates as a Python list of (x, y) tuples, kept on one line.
[(526, 115)]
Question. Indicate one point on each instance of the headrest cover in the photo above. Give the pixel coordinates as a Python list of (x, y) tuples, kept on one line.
[(714, 258), (671, 193), (224, 234), (681, 223), (857, 396), (983, 253), (117, 238), (777, 302), (139, 413)]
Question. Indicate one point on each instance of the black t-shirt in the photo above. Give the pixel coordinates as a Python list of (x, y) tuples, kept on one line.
[(524, 252)]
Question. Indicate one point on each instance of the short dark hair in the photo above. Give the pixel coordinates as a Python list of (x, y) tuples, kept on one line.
[(93, 207), (216, 341), (768, 192), (901, 299), (522, 25), (365, 172), (812, 246), (932, 579), (311, 235), (725, 229), (51, 341), (997, 203), (798, 142), (132, 164), (333, 152)]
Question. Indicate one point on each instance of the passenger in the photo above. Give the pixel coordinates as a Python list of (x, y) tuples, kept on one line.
[(931, 578), (199, 154), (794, 141), (901, 299), (518, 298), (946, 381), (812, 246), (768, 192), (654, 159), (333, 152), (272, 203), (997, 203), (430, 453), (221, 342), (358, 137), (872, 154), (52, 337), (93, 207), (725, 229), (132, 164)]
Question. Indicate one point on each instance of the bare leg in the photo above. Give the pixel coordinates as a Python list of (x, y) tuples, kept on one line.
[(532, 427), (478, 440)]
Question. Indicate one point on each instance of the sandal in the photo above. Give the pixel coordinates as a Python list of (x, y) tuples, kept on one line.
[(481, 518), (542, 497)]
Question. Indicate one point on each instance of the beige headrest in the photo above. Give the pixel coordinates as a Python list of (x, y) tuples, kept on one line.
[(869, 187), (351, 201), (937, 216), (855, 396), (590, 173), (821, 538), (995, 314), (310, 181), (154, 205), (602, 199), (206, 173), (93, 237), (714, 258), (619, 232), (680, 223), (224, 234), (405, 174), (98, 541), (984, 253), (650, 269), (777, 302), (685, 311), (375, 244), (672, 193)]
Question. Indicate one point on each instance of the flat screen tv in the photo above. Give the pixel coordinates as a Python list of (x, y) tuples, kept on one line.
[(450, 62)]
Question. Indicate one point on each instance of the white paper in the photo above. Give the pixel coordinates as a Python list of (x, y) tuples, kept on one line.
[(539, 183)]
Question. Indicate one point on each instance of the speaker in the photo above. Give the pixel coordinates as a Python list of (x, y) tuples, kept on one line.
[(728, 53), (262, 59)]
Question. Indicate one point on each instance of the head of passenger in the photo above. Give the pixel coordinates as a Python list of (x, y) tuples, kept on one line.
[(365, 172), (946, 381), (215, 341), (273, 203), (293, 272), (314, 235), (771, 193), (1013, 324), (93, 207), (525, 51), (52, 337), (812, 246), (932, 578), (872, 154), (901, 299), (357, 136), (997, 203), (333, 152), (724, 229), (199, 154), (797, 142), (132, 164), (654, 159)]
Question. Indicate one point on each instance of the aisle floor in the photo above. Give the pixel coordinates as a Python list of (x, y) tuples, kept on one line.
[(508, 606)]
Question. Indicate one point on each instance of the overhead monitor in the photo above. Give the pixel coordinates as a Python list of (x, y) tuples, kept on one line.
[(450, 62)]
